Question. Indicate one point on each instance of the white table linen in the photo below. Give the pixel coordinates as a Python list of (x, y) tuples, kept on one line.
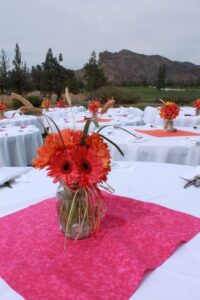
[(180, 150), (179, 276), (180, 121), (18, 145), (23, 120)]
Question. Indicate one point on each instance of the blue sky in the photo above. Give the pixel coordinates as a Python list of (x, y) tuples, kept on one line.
[(77, 27)]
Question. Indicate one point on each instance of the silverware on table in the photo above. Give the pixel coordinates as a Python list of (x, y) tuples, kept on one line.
[(193, 181), (7, 184)]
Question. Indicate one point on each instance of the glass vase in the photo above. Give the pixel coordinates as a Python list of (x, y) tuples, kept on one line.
[(168, 125), (95, 116), (1, 114), (78, 214), (197, 111)]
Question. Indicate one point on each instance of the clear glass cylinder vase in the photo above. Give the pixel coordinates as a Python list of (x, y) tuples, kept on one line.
[(78, 215), (197, 111), (168, 125), (1, 114)]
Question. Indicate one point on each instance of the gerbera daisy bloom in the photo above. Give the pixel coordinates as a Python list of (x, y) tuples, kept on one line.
[(46, 103), (197, 103), (60, 104), (53, 144), (2, 106), (169, 110), (94, 106), (71, 138), (101, 148), (63, 168), (89, 165)]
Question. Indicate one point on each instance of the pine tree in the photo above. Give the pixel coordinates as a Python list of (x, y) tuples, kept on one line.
[(49, 73), (93, 74), (19, 74), (4, 73), (36, 77), (55, 76)]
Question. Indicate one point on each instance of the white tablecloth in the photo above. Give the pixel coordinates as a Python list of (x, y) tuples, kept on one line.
[(114, 120), (180, 121), (179, 276), (179, 150), (18, 145), (21, 121)]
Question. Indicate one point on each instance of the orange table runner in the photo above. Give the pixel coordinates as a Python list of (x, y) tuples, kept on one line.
[(162, 133)]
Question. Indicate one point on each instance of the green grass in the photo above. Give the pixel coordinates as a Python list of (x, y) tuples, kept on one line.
[(143, 96), (150, 95)]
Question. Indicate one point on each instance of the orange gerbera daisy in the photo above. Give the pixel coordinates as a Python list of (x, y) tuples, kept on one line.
[(71, 138), (94, 106), (63, 168), (101, 148), (89, 165), (169, 110), (46, 103), (3, 106), (197, 103), (53, 144)]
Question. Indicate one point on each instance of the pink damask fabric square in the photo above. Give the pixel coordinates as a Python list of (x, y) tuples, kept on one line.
[(134, 237)]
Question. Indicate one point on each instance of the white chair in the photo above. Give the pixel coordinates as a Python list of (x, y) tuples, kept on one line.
[(149, 114), (135, 111)]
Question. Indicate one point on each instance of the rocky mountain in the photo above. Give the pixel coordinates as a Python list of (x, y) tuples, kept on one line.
[(129, 67)]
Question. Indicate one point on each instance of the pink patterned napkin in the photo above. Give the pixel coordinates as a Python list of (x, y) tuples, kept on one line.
[(134, 237)]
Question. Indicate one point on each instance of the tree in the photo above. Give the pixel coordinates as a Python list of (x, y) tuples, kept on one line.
[(4, 73), (93, 74), (36, 77), (55, 76), (19, 75), (51, 73), (161, 76)]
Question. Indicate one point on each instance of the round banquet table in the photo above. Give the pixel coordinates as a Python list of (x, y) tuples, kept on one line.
[(57, 113), (177, 149), (18, 145), (179, 276), (77, 123), (21, 120)]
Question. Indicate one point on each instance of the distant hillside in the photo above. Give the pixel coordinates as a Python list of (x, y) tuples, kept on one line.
[(129, 67)]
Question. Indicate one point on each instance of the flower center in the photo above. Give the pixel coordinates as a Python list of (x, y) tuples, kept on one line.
[(66, 167), (86, 166)]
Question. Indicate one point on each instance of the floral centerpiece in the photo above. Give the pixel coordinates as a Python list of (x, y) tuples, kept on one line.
[(93, 107), (197, 106), (80, 162), (169, 111), (3, 107), (60, 104), (46, 104)]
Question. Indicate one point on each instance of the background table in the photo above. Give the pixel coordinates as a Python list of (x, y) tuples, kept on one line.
[(179, 150), (180, 121), (18, 145), (21, 120), (179, 276)]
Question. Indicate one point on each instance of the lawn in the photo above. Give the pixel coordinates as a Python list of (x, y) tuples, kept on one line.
[(150, 94)]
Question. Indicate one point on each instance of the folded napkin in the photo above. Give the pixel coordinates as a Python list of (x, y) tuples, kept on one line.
[(9, 173)]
